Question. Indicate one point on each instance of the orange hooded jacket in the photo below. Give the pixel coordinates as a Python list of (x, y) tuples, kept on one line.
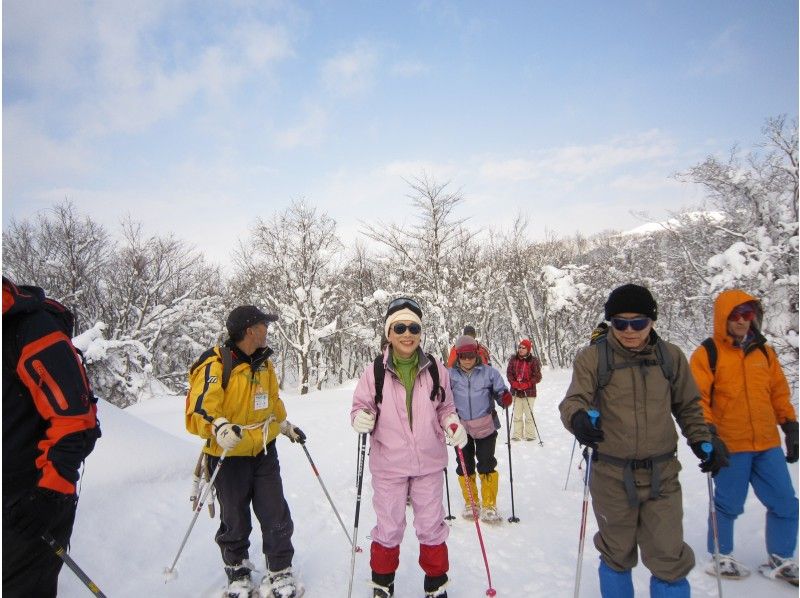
[(751, 395)]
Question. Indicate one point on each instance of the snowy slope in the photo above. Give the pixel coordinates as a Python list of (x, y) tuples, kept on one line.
[(134, 511)]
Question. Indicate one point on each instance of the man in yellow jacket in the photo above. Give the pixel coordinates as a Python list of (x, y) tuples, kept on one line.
[(746, 396), (239, 414)]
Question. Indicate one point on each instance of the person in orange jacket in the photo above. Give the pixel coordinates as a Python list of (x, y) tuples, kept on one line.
[(483, 352), (746, 397)]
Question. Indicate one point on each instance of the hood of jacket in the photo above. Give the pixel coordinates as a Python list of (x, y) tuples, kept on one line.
[(724, 304), (20, 299)]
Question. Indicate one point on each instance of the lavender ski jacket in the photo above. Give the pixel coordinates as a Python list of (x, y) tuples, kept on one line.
[(397, 449)]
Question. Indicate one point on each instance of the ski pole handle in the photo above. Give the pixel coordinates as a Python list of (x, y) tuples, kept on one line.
[(707, 448), (594, 415), (453, 427)]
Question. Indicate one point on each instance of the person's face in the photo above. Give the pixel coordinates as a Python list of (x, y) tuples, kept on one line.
[(522, 351), (630, 338), (740, 319), (257, 335), (405, 343), (467, 361)]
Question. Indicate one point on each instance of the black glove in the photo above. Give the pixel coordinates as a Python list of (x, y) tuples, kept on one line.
[(39, 511), (584, 431), (718, 458), (790, 431)]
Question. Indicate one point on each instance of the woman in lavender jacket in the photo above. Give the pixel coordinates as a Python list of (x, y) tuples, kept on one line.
[(407, 450)]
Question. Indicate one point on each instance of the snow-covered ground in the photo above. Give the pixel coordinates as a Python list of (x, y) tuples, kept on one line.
[(134, 511)]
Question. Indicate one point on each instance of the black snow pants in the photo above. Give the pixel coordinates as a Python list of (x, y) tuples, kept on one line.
[(257, 480), (30, 567), (481, 449)]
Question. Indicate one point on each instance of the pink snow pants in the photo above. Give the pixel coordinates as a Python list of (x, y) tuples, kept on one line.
[(389, 501)]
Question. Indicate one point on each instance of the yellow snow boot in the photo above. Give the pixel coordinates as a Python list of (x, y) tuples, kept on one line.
[(467, 512), (489, 483)]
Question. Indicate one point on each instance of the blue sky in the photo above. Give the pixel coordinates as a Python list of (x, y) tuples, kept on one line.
[(197, 117)]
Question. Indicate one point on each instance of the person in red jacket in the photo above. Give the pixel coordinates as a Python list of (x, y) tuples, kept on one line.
[(746, 397), (49, 427), (524, 372), (483, 352)]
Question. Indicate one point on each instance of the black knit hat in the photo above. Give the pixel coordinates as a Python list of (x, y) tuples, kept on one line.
[(244, 316), (631, 298), (470, 331)]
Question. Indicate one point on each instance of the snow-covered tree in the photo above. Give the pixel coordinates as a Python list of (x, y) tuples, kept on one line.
[(291, 265)]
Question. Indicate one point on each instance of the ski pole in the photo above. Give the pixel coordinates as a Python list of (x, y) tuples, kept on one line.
[(450, 516), (533, 418), (712, 513), (571, 459), (328, 496), (491, 591), (62, 554), (170, 573), (589, 454), (513, 518), (362, 444)]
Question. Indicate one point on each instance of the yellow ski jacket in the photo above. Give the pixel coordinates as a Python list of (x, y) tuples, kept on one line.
[(250, 400)]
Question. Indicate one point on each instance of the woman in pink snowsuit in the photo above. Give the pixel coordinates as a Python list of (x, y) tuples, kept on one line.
[(408, 427)]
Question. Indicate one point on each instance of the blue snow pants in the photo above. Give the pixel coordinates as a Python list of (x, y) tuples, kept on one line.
[(769, 476)]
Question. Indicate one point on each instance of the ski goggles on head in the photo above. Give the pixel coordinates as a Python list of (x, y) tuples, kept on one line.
[(401, 328), (745, 312), (638, 324), (403, 302)]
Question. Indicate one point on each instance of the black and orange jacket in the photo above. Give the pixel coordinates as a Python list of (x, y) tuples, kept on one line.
[(49, 414)]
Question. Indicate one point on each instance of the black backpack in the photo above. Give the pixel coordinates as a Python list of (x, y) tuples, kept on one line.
[(380, 373), (606, 365), (226, 357)]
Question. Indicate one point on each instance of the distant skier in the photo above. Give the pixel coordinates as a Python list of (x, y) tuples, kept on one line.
[(476, 387), (243, 419), (524, 372), (408, 427), (49, 427), (483, 352), (746, 396), (634, 485)]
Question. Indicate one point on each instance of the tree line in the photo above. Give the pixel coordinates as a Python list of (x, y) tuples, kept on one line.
[(146, 306)]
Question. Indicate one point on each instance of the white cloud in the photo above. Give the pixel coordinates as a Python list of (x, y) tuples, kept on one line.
[(351, 72), (309, 133), (581, 161), (721, 55)]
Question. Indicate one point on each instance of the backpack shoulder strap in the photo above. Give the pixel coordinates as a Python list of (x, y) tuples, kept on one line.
[(605, 363), (433, 368), (665, 361), (227, 364), (711, 349), (379, 371)]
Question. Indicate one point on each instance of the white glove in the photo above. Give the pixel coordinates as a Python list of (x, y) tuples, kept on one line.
[(294, 433), (364, 422), (227, 434), (457, 437)]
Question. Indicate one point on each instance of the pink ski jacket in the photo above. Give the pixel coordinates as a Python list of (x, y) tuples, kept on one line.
[(397, 450)]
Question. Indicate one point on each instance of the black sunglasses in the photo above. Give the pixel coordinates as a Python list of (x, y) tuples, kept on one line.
[(401, 328), (638, 324), (402, 302)]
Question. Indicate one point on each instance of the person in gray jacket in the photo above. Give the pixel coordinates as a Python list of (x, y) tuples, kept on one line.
[(476, 387), (636, 495)]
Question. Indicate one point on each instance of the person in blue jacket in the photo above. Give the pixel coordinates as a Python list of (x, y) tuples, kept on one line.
[(476, 387)]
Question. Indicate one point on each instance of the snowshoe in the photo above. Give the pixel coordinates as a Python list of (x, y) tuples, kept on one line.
[(382, 591), (780, 568), (490, 515), (467, 513), (280, 584), (240, 584), (729, 568)]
